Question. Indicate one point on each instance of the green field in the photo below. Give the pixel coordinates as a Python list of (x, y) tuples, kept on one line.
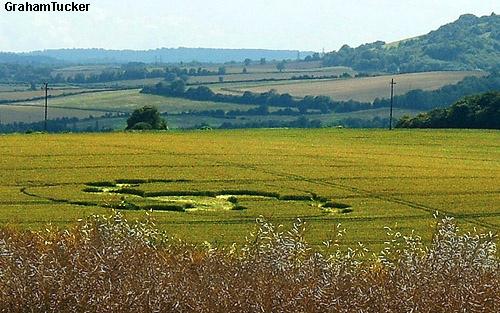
[(83, 105), (253, 74), (397, 179), (361, 89)]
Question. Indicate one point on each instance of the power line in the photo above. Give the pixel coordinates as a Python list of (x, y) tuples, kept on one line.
[(46, 86), (392, 102)]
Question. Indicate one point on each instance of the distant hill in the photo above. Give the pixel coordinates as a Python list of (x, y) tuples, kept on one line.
[(166, 55), (469, 43), (25, 59), (480, 111)]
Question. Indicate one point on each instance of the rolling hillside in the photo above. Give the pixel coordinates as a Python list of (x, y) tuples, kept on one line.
[(469, 43)]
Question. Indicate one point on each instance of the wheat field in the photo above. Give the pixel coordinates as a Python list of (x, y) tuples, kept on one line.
[(212, 186)]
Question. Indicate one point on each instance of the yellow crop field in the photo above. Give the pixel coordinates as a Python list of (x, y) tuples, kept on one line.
[(213, 185)]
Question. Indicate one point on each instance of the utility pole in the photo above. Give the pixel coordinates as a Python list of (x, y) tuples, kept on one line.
[(392, 102), (46, 87)]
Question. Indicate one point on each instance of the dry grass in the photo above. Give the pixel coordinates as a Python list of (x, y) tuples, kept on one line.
[(106, 264)]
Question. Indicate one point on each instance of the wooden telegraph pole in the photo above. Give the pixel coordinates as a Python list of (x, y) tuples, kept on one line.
[(46, 87), (392, 102)]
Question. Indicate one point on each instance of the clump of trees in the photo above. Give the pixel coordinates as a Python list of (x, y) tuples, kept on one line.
[(480, 111), (146, 118)]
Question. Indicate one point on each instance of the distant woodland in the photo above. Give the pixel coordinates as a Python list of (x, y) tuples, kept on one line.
[(467, 44)]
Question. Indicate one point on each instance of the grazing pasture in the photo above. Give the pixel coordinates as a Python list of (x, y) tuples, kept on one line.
[(213, 185)]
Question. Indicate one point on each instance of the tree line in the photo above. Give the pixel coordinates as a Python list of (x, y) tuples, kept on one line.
[(317, 104), (415, 99), (478, 111), (425, 100), (12, 72)]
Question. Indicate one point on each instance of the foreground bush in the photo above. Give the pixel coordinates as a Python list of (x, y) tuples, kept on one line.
[(106, 264)]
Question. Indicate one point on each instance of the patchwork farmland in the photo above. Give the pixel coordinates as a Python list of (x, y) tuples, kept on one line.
[(360, 89)]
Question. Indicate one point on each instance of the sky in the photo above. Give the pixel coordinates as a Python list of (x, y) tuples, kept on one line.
[(307, 25)]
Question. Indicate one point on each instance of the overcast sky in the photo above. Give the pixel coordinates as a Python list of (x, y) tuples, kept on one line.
[(270, 24)]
